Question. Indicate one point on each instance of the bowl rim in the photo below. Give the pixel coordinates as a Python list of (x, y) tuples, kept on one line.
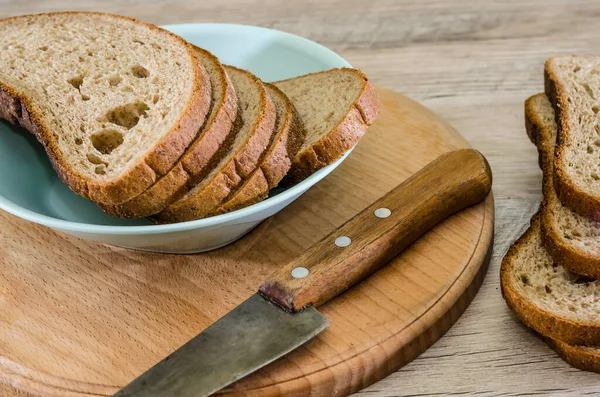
[(228, 218)]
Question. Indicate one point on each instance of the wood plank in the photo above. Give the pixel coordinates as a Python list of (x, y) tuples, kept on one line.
[(473, 62)]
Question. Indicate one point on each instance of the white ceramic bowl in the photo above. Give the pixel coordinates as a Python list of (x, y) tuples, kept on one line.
[(30, 189)]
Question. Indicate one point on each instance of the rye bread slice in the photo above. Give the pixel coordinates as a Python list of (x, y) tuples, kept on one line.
[(586, 358), (200, 155), (115, 101), (572, 240), (336, 107), (554, 302), (573, 87), (257, 114), (277, 159)]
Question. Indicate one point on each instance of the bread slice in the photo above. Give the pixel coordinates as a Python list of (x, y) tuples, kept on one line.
[(573, 87), (586, 358), (545, 296), (201, 154), (277, 159), (572, 240), (336, 107), (258, 115), (114, 101)]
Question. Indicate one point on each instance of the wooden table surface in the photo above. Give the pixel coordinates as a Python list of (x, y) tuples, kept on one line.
[(474, 63)]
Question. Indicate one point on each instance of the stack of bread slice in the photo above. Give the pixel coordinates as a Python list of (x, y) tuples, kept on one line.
[(550, 275), (145, 124)]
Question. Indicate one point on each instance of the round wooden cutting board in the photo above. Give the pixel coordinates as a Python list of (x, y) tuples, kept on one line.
[(83, 319)]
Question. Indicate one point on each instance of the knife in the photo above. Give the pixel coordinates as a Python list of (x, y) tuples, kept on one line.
[(282, 315)]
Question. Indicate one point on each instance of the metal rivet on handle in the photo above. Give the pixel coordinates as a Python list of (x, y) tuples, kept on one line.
[(343, 241), (300, 272), (382, 212)]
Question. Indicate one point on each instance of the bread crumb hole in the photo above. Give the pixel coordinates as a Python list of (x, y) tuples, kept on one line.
[(595, 176), (127, 88), (85, 97), (155, 99), (128, 116), (76, 82), (140, 72), (588, 90), (524, 279), (583, 280), (548, 289), (576, 69), (115, 81), (100, 169), (139, 42), (78, 141), (590, 149), (43, 48), (94, 158), (106, 141), (596, 108)]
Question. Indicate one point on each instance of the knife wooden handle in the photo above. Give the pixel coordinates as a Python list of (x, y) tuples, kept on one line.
[(376, 235)]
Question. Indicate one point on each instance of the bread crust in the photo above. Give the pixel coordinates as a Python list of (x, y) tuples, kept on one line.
[(340, 139), (254, 190), (276, 161), (194, 163), (579, 262), (154, 164), (542, 321), (206, 200), (586, 359), (568, 193)]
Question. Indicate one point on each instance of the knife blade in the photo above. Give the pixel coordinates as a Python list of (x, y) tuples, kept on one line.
[(282, 315)]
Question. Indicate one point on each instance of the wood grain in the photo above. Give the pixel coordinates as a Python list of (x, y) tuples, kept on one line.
[(452, 182), (81, 319), (473, 62)]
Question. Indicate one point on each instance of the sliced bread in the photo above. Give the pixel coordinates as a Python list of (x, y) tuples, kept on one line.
[(572, 239), (545, 296), (586, 358), (257, 114), (573, 87), (114, 101), (201, 154), (336, 107), (277, 159)]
